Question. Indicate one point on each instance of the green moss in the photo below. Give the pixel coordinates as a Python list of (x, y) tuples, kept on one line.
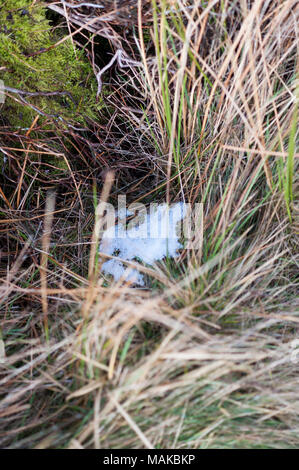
[(31, 61)]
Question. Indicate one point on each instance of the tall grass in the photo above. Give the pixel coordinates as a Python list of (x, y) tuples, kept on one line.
[(202, 357)]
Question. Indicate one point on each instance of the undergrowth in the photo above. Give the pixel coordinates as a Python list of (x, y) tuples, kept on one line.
[(205, 356)]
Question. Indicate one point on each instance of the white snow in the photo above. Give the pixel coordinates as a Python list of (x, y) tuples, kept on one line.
[(147, 239)]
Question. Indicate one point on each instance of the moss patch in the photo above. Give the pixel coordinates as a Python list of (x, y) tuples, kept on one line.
[(31, 61)]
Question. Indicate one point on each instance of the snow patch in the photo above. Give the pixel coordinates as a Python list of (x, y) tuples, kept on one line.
[(147, 239)]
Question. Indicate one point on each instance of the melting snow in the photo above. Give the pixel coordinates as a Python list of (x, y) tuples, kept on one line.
[(152, 239)]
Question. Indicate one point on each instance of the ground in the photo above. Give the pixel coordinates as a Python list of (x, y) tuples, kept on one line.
[(205, 354)]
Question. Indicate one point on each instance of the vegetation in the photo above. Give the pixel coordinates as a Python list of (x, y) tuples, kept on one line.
[(34, 60), (204, 356)]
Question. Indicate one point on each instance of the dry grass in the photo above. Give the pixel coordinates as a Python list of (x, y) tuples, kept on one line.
[(203, 357)]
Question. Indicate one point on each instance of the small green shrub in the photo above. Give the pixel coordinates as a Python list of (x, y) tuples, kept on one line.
[(31, 61)]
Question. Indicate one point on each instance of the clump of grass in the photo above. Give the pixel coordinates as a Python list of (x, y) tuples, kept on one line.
[(206, 356)]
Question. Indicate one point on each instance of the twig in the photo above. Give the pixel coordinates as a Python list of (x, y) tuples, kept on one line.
[(120, 56), (122, 61), (38, 93), (83, 4), (39, 111)]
